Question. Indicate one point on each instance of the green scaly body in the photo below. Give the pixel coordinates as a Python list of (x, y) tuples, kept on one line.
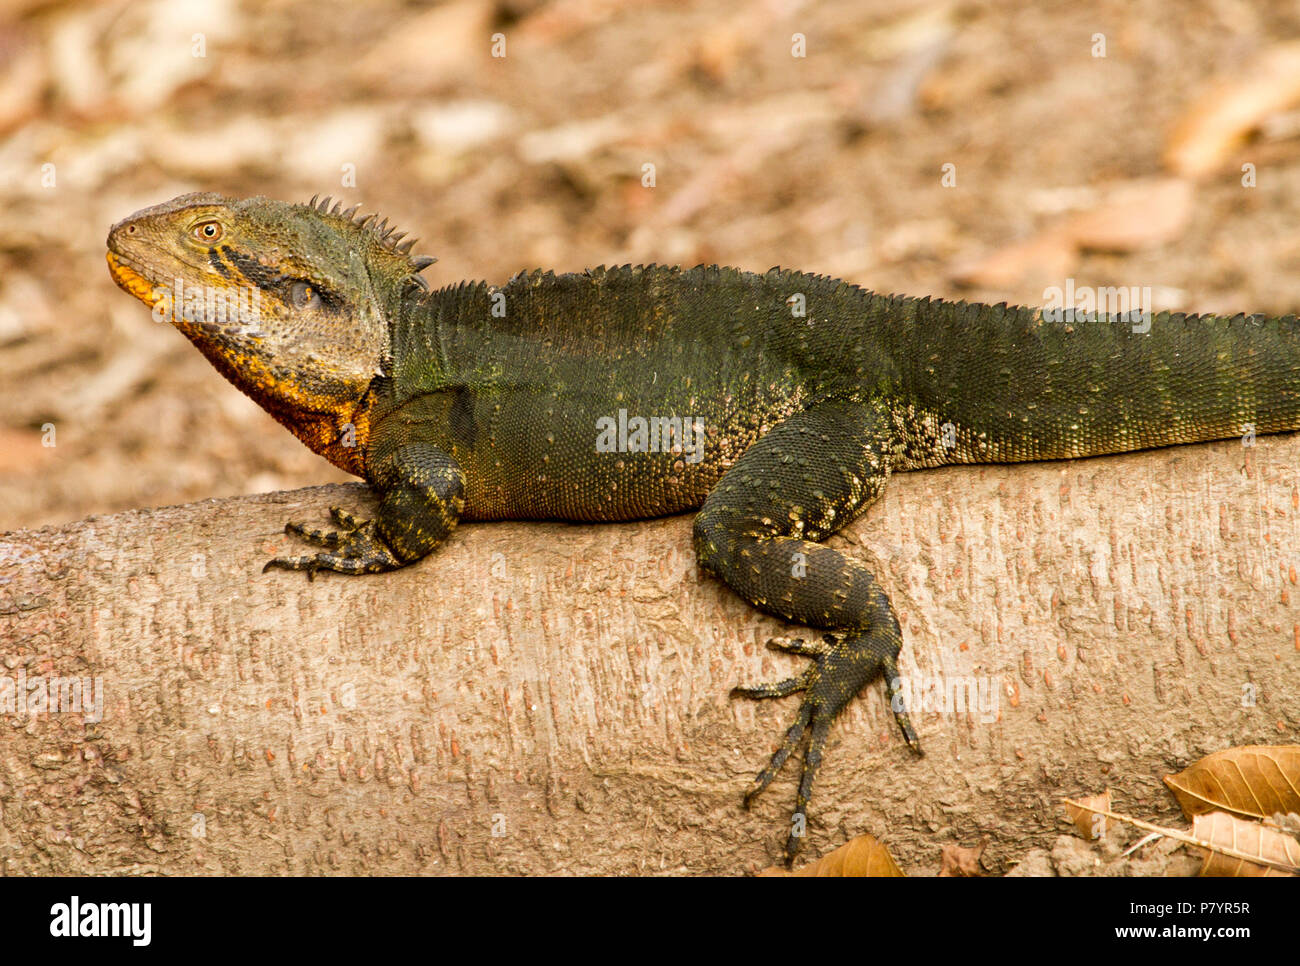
[(515, 398)]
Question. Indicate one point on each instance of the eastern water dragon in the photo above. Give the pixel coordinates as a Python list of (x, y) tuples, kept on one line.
[(776, 405)]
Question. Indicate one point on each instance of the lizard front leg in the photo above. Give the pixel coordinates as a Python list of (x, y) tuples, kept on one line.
[(421, 498), (757, 530)]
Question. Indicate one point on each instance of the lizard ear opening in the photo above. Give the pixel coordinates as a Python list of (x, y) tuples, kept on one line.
[(304, 296)]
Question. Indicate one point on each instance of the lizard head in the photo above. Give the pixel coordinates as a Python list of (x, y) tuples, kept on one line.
[(289, 302)]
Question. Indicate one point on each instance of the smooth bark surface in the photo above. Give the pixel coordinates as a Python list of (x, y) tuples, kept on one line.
[(549, 698)]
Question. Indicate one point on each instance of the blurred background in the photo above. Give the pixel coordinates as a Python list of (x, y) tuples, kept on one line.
[(978, 150)]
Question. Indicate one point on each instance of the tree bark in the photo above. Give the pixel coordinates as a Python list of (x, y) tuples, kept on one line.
[(550, 698)]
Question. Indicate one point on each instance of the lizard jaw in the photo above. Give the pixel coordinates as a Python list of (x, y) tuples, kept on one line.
[(131, 281)]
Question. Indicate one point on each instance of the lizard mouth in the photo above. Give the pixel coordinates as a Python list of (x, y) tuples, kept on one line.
[(194, 309), (130, 280)]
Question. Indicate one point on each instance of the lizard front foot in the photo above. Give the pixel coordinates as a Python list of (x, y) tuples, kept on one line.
[(842, 665), (358, 548)]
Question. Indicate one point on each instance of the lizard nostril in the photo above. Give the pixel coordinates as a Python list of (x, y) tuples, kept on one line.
[(130, 229)]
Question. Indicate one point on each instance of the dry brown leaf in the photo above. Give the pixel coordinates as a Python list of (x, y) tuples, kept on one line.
[(1255, 781), (1138, 214), (459, 31), (1235, 844), (1220, 119), (1133, 215), (26, 74), (723, 46), (1043, 259), (149, 53), (551, 23), (959, 860), (1251, 838), (862, 856), (22, 450), (1088, 819), (917, 44)]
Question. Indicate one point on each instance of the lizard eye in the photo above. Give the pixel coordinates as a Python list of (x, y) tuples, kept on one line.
[(304, 296), (208, 231)]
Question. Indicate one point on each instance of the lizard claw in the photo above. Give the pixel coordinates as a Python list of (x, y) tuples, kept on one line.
[(309, 564)]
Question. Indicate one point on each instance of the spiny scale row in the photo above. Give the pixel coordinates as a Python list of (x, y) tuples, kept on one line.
[(386, 234)]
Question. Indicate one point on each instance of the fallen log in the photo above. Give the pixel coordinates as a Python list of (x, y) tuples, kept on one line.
[(550, 698)]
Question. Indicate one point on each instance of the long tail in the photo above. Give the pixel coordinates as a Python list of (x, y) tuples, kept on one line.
[(1014, 385)]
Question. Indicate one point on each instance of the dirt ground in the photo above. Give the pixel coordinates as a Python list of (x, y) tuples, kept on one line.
[(833, 162)]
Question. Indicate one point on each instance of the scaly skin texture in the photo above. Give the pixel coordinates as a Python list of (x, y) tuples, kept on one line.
[(792, 396)]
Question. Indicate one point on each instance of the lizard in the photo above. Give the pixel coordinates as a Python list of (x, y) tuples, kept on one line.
[(775, 405)]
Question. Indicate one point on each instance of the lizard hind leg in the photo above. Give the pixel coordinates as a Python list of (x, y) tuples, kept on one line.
[(757, 530)]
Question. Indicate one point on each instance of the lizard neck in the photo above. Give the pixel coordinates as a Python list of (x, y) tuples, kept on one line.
[(340, 435)]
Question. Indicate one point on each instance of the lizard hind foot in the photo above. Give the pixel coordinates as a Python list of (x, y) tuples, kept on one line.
[(842, 665)]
